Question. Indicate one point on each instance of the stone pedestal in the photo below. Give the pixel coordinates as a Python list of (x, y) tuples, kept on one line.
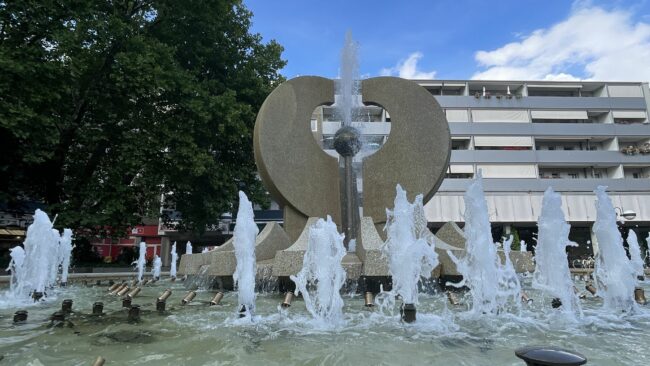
[(289, 261)]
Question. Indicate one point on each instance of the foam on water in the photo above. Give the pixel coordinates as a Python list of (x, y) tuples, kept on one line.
[(244, 242), (322, 275), (614, 273), (552, 273), (409, 247), (491, 284)]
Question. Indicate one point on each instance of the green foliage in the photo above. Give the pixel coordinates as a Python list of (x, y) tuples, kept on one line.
[(516, 241), (84, 252), (106, 106)]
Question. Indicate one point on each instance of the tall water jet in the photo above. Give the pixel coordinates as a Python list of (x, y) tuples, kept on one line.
[(410, 251), (244, 242), (188, 248), (635, 254), (347, 140), (41, 251), (174, 255), (489, 284), (322, 274), (552, 274), (16, 267), (55, 260), (157, 265), (615, 276), (65, 251), (141, 262)]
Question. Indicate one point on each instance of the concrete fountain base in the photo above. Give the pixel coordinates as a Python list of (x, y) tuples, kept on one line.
[(277, 257)]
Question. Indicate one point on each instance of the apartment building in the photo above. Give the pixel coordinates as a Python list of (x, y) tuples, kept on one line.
[(525, 136)]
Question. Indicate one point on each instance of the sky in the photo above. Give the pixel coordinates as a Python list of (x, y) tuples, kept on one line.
[(463, 39)]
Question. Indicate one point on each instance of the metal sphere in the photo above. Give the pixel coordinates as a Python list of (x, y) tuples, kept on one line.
[(347, 141)]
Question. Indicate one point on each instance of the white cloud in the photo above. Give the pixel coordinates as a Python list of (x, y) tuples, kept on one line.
[(591, 43), (408, 68)]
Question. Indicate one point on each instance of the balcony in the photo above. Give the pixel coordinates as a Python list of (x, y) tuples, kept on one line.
[(632, 103)]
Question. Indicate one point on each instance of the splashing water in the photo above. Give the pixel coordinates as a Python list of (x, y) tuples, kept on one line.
[(205, 250), (490, 283), (244, 242), (635, 253), (322, 274), (65, 251), (41, 255), (614, 273), (410, 255), (16, 267), (552, 273), (141, 262), (172, 269), (188, 248), (157, 264), (348, 87)]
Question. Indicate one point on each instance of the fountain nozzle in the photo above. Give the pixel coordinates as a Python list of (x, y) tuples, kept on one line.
[(408, 313), (98, 308), (525, 298), (453, 300), (590, 287), (134, 313), (99, 361), (639, 296), (20, 316), (370, 299), (216, 299), (66, 306), (188, 298)]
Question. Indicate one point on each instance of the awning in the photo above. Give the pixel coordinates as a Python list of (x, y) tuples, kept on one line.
[(503, 141), (629, 114), (559, 114), (457, 115), (500, 115), (461, 168), (507, 170)]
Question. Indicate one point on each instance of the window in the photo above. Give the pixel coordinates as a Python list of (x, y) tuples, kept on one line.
[(635, 175), (597, 175), (314, 125), (573, 175), (551, 147), (568, 148)]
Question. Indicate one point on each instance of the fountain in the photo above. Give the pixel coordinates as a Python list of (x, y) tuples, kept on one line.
[(614, 273), (244, 242), (410, 255), (551, 264), (188, 248), (322, 275), (174, 255), (16, 266), (141, 262), (41, 249), (157, 264), (65, 251), (635, 254), (490, 283)]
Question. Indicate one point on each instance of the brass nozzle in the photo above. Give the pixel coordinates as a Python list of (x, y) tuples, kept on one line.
[(369, 299), (123, 291), (217, 298), (451, 297), (639, 296), (165, 295), (188, 298), (581, 295), (133, 293), (590, 287), (118, 288), (113, 287), (525, 298), (288, 298), (99, 361)]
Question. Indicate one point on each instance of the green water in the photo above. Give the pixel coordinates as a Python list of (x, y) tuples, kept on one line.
[(198, 334)]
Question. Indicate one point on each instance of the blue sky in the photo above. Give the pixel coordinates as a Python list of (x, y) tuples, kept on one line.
[(524, 39)]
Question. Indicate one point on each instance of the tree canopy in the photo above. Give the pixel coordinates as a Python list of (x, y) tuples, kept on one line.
[(105, 106)]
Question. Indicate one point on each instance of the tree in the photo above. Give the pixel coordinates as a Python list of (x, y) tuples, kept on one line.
[(106, 106)]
